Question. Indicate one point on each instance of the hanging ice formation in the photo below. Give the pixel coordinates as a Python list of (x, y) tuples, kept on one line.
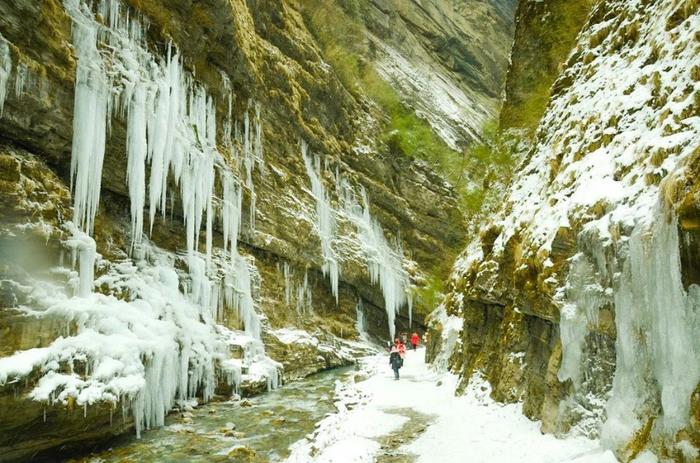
[(305, 302), (250, 140), (287, 284), (83, 249), (89, 117), (239, 295), (384, 262), (252, 153), (325, 220), (361, 322), (588, 289), (22, 79), (22, 75), (301, 296), (5, 70), (658, 333), (170, 125), (656, 320)]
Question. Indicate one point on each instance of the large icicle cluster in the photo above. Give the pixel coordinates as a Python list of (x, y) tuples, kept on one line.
[(161, 344), (384, 262), (144, 353), (171, 125), (170, 122), (658, 333)]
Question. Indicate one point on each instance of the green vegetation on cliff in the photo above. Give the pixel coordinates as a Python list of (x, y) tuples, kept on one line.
[(541, 47), (347, 47)]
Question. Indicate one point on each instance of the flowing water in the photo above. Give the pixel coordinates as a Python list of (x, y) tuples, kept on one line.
[(227, 431)]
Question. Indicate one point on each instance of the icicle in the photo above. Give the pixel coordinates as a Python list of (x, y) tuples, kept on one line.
[(361, 323), (5, 70), (248, 154), (287, 284), (252, 211), (251, 150), (245, 304), (89, 118), (231, 213), (84, 248), (210, 220), (325, 222), (228, 120), (162, 125), (21, 78), (304, 296), (201, 287), (136, 168), (257, 125)]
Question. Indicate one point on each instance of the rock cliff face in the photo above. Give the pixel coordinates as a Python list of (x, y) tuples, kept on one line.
[(545, 34), (581, 297), (446, 59), (189, 192)]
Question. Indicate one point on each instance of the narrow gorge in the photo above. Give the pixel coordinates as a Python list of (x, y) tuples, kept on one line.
[(206, 203)]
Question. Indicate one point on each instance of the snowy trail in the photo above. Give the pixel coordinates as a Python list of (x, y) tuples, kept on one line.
[(470, 428)]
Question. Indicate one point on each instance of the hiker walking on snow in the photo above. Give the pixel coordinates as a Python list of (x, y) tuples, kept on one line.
[(395, 361), (414, 340)]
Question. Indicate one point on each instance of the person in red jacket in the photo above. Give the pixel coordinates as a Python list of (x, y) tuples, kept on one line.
[(401, 347), (414, 340)]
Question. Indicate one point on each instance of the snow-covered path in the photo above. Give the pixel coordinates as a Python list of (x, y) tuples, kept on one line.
[(471, 428)]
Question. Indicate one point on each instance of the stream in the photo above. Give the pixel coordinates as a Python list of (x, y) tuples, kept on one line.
[(256, 429)]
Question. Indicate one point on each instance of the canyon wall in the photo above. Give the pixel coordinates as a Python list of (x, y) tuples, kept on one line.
[(580, 295), (194, 203)]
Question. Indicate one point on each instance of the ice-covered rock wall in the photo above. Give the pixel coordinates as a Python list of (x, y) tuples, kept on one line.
[(159, 344), (580, 298)]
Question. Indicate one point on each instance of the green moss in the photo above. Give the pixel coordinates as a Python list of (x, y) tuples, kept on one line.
[(545, 36)]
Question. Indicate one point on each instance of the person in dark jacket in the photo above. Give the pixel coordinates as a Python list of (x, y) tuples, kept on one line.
[(395, 361)]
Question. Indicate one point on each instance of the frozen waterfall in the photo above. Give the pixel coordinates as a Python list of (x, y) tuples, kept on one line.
[(658, 333)]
